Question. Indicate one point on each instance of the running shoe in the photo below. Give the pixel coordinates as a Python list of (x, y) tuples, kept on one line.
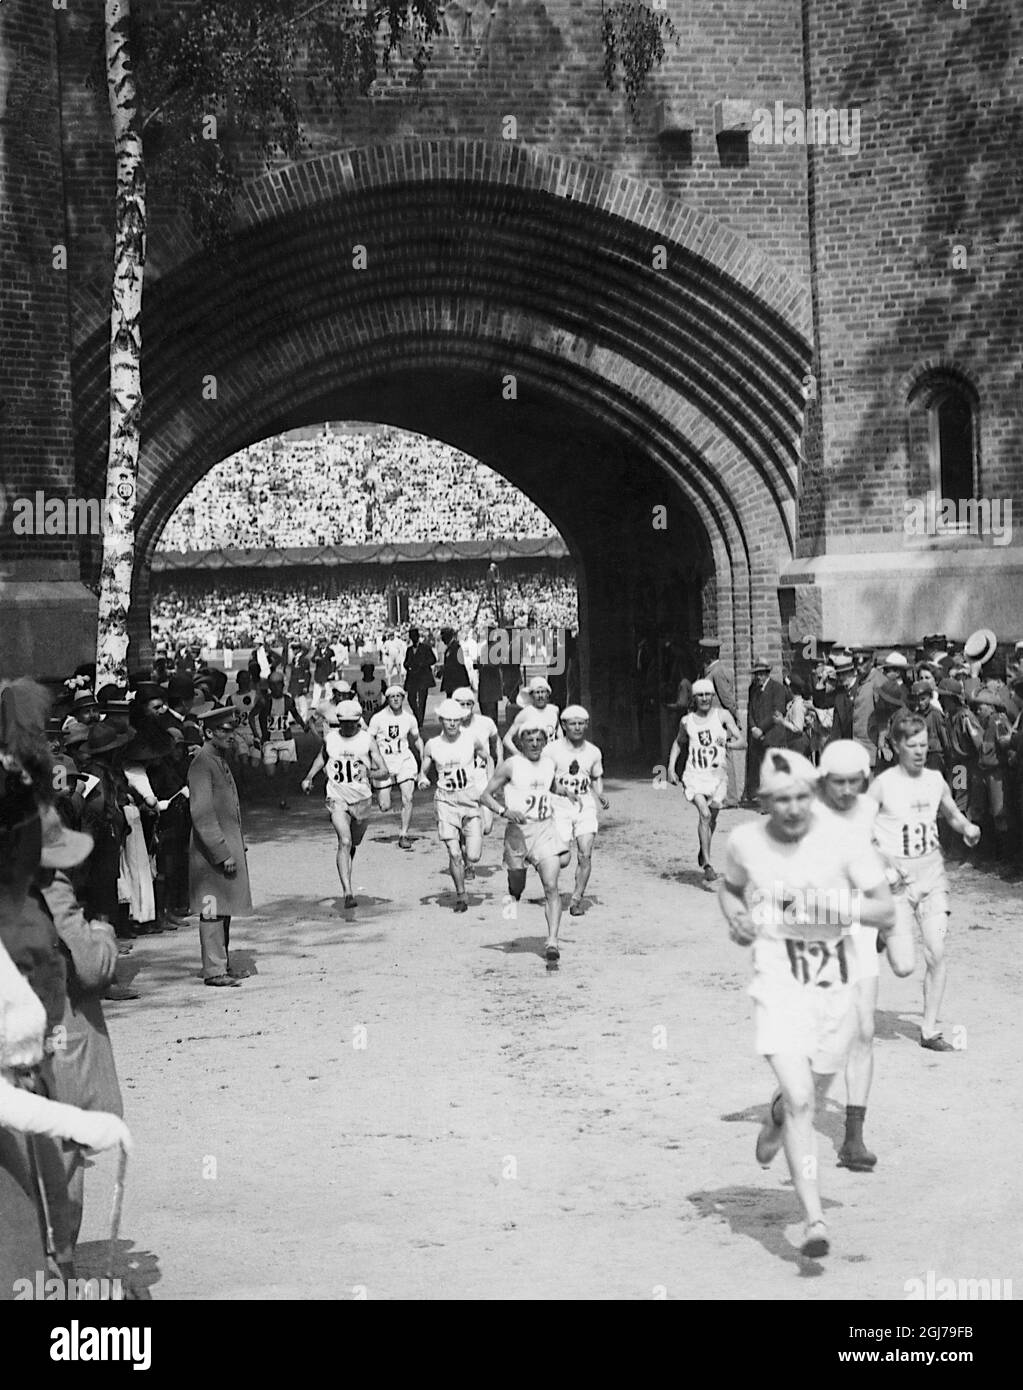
[(709, 874), (552, 953), (404, 842), (575, 909), (856, 1158), (461, 905), (936, 1044), (769, 1138), (350, 900), (815, 1240), (470, 872)]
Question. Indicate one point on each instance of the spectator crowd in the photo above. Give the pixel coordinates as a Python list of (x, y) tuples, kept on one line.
[(234, 609), (342, 488), (969, 695)]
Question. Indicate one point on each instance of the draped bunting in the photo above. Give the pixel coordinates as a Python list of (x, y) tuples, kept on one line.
[(542, 548)]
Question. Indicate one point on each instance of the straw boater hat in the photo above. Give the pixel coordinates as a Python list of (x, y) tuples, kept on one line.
[(980, 645)]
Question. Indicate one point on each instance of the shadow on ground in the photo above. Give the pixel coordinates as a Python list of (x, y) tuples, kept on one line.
[(761, 1216)]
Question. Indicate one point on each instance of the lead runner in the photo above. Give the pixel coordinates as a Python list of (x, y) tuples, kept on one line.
[(782, 878), (351, 759)]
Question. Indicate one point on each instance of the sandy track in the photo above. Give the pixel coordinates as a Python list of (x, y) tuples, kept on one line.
[(500, 1132)]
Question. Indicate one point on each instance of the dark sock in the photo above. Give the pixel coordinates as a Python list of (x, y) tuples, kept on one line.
[(854, 1117)]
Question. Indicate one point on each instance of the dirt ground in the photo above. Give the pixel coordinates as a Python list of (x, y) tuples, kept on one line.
[(404, 1103)]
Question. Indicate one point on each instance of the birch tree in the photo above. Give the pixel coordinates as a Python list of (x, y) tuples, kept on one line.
[(125, 349)]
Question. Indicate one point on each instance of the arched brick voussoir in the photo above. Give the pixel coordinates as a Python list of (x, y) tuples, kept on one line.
[(257, 393), (309, 184), (719, 346)]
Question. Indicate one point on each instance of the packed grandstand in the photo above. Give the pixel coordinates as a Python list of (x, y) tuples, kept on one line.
[(348, 486)]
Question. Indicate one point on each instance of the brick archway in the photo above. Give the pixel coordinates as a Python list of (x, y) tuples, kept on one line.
[(657, 355)]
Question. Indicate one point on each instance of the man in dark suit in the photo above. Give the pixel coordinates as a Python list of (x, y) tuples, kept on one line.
[(767, 698), (419, 676)]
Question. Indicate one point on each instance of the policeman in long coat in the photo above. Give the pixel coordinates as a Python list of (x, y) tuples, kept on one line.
[(217, 873)]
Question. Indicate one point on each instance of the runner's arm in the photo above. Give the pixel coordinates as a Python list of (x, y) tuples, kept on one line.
[(731, 729), (510, 746), (318, 763), (424, 768), (960, 823), (731, 899), (674, 753), (377, 766), (733, 906), (488, 796)]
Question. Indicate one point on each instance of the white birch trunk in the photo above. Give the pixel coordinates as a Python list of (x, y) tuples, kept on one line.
[(125, 353)]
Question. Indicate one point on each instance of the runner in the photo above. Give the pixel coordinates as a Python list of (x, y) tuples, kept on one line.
[(779, 874), (369, 687), (708, 735), (484, 730), (350, 758), (909, 797), (244, 700), (527, 779), (844, 772), (454, 753), (397, 736), (539, 692), (580, 773), (271, 721)]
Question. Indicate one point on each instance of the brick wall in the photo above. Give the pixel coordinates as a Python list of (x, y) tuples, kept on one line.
[(36, 443), (939, 165)]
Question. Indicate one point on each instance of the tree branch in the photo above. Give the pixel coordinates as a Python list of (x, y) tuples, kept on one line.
[(168, 101)]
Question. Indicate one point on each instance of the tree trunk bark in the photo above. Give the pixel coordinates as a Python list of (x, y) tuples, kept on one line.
[(125, 352)]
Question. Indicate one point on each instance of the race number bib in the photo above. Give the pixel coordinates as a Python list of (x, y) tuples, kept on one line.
[(278, 726), (348, 770), (573, 786), (538, 807), (705, 751), (391, 742), (453, 779), (919, 838), (819, 963)]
